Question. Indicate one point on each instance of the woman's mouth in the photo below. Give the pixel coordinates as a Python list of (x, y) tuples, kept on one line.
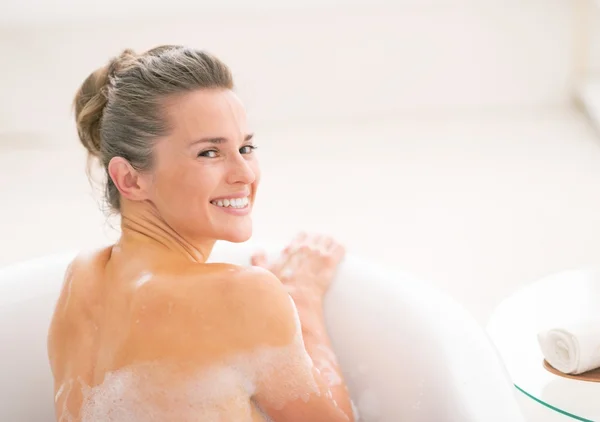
[(238, 203)]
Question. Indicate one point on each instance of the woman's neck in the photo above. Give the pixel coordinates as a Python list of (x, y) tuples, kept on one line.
[(142, 225)]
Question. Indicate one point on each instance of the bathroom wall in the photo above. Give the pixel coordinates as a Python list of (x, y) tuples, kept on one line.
[(594, 39), (318, 62)]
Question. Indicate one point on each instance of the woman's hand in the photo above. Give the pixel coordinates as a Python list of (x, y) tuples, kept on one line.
[(308, 265)]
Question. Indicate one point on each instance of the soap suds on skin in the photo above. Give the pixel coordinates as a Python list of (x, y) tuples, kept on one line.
[(143, 279), (332, 378), (65, 415), (68, 286), (326, 350), (326, 366), (158, 391), (59, 392)]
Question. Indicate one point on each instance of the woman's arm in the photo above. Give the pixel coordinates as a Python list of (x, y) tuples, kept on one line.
[(306, 269), (318, 345), (311, 391)]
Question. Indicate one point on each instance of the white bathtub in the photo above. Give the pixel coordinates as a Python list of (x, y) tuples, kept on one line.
[(408, 352)]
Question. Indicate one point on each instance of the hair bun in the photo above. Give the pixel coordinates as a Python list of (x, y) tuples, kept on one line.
[(91, 99)]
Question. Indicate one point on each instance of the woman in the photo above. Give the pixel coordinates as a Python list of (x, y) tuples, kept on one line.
[(146, 330)]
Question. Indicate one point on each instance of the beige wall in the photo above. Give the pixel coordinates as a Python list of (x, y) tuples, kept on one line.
[(594, 49), (293, 66)]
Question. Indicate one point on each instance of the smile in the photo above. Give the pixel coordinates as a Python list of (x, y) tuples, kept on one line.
[(232, 202)]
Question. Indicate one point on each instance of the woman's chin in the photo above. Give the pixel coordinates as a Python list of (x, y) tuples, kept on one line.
[(237, 235)]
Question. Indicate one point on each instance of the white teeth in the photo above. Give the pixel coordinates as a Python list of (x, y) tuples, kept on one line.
[(233, 202)]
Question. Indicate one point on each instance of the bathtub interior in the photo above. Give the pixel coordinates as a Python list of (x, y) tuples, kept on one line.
[(408, 352)]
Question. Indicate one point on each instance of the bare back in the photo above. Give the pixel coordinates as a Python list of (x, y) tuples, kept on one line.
[(121, 348)]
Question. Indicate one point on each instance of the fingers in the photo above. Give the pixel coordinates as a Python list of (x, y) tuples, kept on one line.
[(328, 243), (305, 245), (338, 252), (282, 260), (289, 256), (317, 242), (332, 249), (295, 244), (259, 259)]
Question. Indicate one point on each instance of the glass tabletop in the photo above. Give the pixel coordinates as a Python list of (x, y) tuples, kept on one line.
[(513, 328), (551, 407)]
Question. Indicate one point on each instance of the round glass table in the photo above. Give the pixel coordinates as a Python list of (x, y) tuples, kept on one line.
[(513, 329)]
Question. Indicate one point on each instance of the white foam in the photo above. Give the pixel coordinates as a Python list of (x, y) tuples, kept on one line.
[(326, 366), (143, 279), (59, 392), (330, 355), (65, 415), (331, 376), (68, 285)]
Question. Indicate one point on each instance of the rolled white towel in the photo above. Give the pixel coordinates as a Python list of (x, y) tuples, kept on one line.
[(573, 348)]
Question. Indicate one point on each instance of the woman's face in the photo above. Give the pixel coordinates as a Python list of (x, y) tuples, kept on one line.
[(205, 172)]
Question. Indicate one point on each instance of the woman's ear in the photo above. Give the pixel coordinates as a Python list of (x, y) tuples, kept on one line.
[(128, 181)]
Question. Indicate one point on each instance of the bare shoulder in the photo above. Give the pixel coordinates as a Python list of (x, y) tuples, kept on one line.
[(218, 309), (79, 280), (194, 283), (74, 303)]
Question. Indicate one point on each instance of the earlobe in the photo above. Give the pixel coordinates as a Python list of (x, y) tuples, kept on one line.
[(126, 179)]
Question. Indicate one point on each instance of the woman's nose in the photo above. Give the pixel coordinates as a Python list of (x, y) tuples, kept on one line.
[(240, 171)]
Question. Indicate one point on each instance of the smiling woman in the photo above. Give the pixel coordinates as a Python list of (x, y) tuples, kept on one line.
[(146, 329)]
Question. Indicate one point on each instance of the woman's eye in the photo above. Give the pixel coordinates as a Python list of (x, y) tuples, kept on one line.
[(247, 149), (211, 153)]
